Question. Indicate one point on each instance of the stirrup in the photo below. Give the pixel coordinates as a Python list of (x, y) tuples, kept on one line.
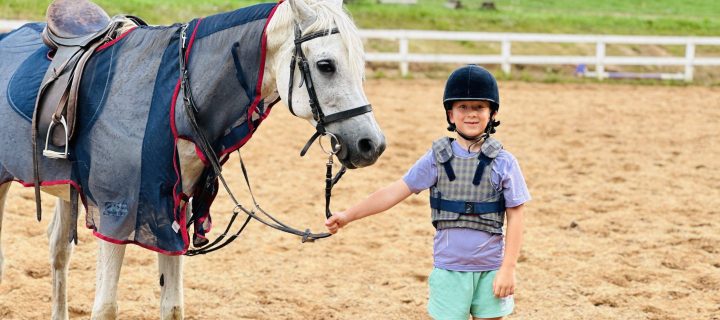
[(51, 153)]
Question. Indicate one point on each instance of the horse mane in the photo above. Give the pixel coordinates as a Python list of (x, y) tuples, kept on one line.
[(329, 15)]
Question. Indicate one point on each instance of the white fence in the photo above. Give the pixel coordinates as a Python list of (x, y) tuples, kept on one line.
[(506, 59), (7, 25)]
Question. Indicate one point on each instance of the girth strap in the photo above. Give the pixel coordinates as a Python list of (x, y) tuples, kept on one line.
[(465, 207)]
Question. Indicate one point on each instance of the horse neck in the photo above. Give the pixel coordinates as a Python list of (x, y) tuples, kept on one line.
[(219, 93)]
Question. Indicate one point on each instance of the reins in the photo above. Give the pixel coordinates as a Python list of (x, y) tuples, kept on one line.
[(191, 111)]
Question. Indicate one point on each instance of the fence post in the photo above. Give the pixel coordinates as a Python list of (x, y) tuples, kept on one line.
[(506, 67), (403, 57), (600, 59), (689, 60)]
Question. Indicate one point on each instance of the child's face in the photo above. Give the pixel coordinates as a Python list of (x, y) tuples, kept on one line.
[(470, 117)]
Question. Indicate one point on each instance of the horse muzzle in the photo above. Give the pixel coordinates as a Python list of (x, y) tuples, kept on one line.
[(361, 152)]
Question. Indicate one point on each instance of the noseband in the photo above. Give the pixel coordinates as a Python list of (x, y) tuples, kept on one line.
[(318, 115), (299, 60)]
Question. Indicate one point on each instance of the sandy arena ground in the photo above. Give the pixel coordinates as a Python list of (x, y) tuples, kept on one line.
[(623, 223)]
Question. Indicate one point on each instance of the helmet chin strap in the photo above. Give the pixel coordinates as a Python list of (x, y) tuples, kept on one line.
[(478, 138), (473, 140)]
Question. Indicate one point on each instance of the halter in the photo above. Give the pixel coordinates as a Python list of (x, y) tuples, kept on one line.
[(321, 119), (299, 60)]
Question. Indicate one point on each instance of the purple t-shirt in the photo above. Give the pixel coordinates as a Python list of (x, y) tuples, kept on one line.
[(462, 249)]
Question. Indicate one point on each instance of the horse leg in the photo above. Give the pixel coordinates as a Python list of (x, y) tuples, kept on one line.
[(59, 234), (171, 287), (3, 194), (109, 262)]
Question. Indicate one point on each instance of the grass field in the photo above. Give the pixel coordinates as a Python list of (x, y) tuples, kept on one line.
[(659, 17)]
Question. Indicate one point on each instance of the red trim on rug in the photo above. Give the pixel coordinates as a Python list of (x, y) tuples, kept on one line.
[(198, 152), (73, 184), (114, 41), (50, 183), (201, 155), (158, 250)]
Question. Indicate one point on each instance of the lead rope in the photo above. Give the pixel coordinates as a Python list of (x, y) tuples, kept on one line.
[(307, 235), (330, 181)]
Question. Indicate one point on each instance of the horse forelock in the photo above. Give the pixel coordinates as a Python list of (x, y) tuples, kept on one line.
[(329, 16)]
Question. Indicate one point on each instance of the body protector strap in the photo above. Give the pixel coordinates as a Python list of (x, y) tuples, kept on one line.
[(463, 196)]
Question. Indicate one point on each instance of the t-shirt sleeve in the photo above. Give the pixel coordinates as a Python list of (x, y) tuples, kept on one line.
[(423, 174), (508, 178)]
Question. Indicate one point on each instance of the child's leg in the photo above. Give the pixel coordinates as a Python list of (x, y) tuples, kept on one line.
[(485, 305)]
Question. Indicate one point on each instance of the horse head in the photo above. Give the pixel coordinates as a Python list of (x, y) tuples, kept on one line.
[(316, 58)]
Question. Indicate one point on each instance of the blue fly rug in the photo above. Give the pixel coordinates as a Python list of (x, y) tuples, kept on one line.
[(123, 160)]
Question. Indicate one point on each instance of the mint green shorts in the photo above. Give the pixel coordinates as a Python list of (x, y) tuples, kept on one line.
[(458, 294)]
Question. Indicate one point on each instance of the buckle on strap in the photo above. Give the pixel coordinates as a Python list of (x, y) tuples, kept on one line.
[(469, 208)]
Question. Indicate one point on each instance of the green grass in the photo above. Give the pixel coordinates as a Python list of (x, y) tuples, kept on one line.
[(657, 17), (660, 17)]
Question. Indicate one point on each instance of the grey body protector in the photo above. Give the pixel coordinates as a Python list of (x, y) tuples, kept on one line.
[(463, 196)]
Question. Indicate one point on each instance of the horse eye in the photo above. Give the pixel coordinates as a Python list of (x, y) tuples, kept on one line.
[(326, 66)]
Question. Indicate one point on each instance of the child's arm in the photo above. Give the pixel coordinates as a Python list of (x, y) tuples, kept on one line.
[(381, 200), (504, 284)]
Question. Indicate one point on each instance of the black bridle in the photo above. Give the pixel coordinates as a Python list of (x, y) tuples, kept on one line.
[(299, 60)]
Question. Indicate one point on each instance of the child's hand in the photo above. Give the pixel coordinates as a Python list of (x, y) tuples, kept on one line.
[(504, 283), (336, 221)]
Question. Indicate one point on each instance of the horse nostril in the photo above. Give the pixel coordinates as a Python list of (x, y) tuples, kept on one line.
[(366, 146)]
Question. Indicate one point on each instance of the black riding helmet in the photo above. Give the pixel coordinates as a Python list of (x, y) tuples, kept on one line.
[(472, 82)]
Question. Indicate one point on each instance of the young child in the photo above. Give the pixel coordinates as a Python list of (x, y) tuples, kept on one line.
[(474, 184)]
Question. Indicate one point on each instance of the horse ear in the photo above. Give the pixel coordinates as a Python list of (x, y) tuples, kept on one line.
[(302, 13)]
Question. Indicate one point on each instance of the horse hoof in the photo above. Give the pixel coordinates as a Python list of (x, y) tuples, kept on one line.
[(106, 312), (175, 313)]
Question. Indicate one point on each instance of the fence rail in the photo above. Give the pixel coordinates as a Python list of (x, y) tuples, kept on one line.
[(7, 25), (506, 59)]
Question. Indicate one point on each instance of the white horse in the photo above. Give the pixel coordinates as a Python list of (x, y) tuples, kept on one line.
[(336, 64)]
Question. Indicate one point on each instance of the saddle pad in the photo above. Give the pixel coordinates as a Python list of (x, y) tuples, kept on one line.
[(25, 82)]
